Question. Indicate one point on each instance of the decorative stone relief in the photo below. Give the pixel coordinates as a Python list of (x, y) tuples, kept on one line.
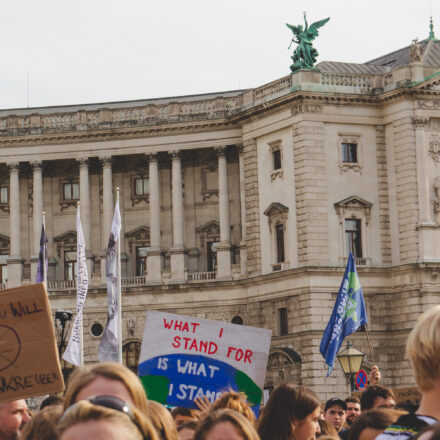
[(416, 52), (434, 148), (437, 197), (420, 121), (306, 108), (429, 104), (131, 327)]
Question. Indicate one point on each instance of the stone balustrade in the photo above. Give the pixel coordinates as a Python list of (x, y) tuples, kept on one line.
[(134, 281), (200, 277)]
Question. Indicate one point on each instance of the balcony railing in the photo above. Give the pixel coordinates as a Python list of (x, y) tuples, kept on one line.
[(361, 261), (200, 277), (2, 287), (61, 285), (134, 281)]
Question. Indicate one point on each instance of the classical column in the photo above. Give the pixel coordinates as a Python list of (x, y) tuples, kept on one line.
[(154, 273), (107, 209), (243, 250), (224, 248), (15, 262), (177, 251), (37, 172), (84, 198)]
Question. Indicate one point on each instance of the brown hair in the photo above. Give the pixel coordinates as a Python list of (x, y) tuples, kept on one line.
[(286, 403), (375, 419), (162, 421), (43, 425), (109, 370), (369, 396), (182, 411), (327, 429), (84, 411), (235, 401), (242, 425), (352, 400), (193, 425)]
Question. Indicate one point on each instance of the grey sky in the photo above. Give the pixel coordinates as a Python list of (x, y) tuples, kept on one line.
[(108, 50)]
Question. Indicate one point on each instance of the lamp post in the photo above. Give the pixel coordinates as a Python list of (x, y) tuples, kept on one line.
[(350, 359), (62, 317)]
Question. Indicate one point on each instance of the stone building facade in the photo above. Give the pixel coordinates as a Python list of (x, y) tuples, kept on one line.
[(242, 206)]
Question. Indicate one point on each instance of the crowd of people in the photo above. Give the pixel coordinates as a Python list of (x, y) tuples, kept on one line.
[(107, 402)]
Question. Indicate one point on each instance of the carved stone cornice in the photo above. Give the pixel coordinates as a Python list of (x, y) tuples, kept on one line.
[(306, 108), (152, 157), (420, 121), (106, 161)]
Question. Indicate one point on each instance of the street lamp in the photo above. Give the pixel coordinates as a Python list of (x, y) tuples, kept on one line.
[(350, 359)]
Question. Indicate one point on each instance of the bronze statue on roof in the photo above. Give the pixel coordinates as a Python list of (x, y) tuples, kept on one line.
[(304, 56)]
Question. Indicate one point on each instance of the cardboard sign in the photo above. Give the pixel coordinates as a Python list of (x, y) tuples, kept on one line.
[(29, 364), (410, 394), (183, 358)]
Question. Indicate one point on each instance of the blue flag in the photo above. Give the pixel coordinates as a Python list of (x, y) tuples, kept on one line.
[(348, 314), (42, 258)]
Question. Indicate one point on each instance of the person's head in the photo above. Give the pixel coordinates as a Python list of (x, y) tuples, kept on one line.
[(162, 421), (225, 424), (187, 430), (43, 425), (13, 417), (353, 409), (291, 412), (51, 401), (85, 420), (182, 415), (423, 348), (235, 401), (377, 397), (371, 423), (107, 378), (327, 429), (334, 412)]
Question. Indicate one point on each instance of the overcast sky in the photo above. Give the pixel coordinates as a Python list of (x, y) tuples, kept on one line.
[(83, 51)]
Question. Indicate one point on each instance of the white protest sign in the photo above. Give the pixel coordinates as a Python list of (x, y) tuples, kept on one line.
[(183, 358)]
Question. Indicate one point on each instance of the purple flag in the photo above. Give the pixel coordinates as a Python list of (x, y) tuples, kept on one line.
[(42, 258)]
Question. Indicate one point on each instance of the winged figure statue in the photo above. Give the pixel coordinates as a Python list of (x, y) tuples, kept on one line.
[(304, 56)]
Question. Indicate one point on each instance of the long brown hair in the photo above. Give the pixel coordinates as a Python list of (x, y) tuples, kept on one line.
[(287, 402)]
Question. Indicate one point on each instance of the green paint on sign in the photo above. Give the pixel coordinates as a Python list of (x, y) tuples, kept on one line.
[(156, 387), (247, 386)]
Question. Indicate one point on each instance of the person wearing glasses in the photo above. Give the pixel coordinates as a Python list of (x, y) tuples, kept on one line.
[(104, 418)]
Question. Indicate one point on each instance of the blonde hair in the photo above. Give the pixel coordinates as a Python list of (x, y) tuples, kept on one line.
[(243, 426), (43, 425), (83, 411), (423, 347), (235, 401), (162, 421), (109, 370)]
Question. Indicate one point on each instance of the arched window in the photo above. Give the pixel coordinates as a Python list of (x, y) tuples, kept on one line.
[(130, 355), (237, 320)]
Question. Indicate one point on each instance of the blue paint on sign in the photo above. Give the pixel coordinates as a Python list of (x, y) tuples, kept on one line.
[(361, 379)]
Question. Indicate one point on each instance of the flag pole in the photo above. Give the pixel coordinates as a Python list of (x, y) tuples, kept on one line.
[(369, 345), (81, 330), (44, 250), (119, 309)]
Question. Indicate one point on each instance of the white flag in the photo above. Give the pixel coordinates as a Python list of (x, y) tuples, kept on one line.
[(73, 353), (108, 348)]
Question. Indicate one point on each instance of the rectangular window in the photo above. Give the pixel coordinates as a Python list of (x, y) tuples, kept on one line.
[(276, 155), (141, 186), (211, 255), (283, 325), (4, 194), (353, 237), (70, 266), (279, 230), (3, 273), (141, 260), (349, 152), (71, 191)]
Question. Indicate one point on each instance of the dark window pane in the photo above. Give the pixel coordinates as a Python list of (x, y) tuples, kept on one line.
[(237, 320), (141, 260), (282, 319), (280, 242), (75, 191), (67, 191), (130, 355), (276, 159), (349, 152), (353, 237), (211, 255), (146, 186)]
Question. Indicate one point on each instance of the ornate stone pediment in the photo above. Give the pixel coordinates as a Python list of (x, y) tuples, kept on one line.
[(353, 201), (353, 206), (211, 228), (276, 208), (141, 233), (67, 238), (283, 357)]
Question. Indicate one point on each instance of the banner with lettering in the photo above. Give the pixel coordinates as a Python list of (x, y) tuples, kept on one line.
[(183, 358), (29, 363)]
